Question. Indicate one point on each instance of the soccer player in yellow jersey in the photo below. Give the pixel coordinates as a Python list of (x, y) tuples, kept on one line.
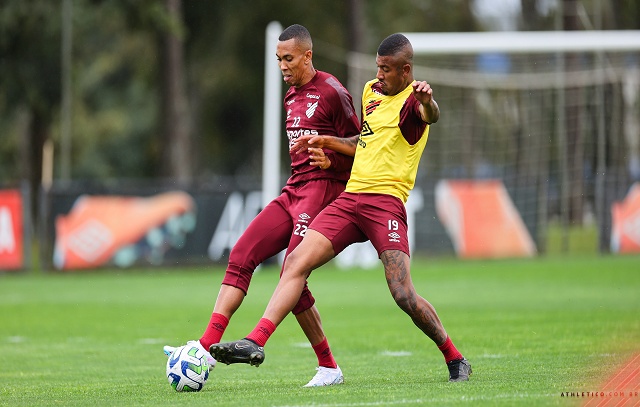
[(396, 114)]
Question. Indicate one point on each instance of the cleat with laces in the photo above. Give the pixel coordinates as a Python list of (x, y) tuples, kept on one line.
[(242, 351), (326, 376), (459, 370), (168, 350)]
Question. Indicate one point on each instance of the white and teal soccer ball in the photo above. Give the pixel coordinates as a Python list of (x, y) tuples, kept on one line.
[(187, 368)]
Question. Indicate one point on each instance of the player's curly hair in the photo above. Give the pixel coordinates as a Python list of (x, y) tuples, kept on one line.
[(396, 44), (299, 33)]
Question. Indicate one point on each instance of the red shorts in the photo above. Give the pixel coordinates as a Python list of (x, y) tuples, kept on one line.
[(352, 218), (280, 225)]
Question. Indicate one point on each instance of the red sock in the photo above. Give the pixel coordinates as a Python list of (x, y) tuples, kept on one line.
[(217, 324), (261, 333), (449, 351), (323, 352)]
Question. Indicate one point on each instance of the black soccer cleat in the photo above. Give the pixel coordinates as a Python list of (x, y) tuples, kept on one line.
[(242, 351), (459, 370)]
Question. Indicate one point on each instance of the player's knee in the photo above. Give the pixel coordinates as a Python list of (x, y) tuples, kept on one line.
[(294, 267), (306, 301), (402, 300), (237, 277), (244, 261), (403, 295)]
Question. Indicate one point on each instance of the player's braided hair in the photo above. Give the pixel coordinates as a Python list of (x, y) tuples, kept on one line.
[(396, 44), (297, 31)]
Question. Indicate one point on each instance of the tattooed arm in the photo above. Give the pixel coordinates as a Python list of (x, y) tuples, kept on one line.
[(346, 145)]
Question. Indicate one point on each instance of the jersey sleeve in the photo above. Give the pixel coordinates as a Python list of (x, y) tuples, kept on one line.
[(339, 162), (344, 114), (345, 121), (411, 124)]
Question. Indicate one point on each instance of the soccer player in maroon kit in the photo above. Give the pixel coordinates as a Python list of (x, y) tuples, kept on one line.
[(397, 114), (316, 103)]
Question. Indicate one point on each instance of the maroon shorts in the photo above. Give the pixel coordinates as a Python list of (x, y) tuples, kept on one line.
[(280, 225), (352, 218)]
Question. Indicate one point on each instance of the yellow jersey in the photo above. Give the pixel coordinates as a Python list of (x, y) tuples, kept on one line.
[(390, 145)]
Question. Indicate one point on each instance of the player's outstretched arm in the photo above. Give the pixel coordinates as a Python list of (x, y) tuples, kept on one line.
[(343, 145), (429, 109)]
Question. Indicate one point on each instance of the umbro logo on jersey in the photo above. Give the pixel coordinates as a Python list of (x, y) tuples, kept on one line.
[(371, 106), (304, 218), (394, 237), (312, 109), (366, 129)]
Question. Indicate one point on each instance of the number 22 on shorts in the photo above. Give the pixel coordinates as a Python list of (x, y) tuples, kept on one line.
[(300, 230)]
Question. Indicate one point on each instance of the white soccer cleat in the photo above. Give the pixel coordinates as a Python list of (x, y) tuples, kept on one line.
[(168, 350), (326, 377)]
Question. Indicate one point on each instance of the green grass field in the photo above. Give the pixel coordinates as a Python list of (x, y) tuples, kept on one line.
[(532, 329)]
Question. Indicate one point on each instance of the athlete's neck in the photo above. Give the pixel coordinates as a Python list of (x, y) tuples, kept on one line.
[(308, 76)]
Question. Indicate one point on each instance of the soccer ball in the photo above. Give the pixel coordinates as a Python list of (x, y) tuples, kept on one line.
[(187, 368)]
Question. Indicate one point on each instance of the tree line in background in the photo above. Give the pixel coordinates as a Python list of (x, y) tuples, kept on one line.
[(174, 88)]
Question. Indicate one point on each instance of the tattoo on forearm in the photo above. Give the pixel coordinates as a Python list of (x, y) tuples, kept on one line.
[(349, 141)]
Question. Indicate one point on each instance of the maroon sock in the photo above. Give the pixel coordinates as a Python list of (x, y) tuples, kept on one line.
[(449, 351), (325, 357), (217, 324), (261, 333)]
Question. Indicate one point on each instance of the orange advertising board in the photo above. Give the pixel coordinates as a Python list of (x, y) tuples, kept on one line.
[(11, 233), (625, 219), (481, 219), (103, 229)]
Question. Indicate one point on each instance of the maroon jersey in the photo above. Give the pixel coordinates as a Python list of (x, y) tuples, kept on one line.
[(322, 106)]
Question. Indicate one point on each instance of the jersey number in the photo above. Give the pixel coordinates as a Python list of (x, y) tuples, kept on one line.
[(296, 121), (300, 230), (393, 224)]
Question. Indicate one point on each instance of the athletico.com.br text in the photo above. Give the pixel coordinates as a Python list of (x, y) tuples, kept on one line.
[(600, 394)]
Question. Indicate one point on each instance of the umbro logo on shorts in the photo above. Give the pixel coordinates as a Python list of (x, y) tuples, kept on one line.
[(304, 218), (394, 237)]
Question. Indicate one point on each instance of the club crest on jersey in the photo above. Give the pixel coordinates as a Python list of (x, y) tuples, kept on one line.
[(312, 109), (371, 106)]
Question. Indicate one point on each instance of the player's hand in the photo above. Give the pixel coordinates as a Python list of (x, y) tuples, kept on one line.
[(317, 158), (429, 110), (305, 143), (422, 92)]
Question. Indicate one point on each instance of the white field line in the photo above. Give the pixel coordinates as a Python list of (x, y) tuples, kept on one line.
[(464, 399)]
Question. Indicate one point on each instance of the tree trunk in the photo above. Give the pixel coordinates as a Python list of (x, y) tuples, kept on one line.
[(177, 159), (574, 128), (356, 36)]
